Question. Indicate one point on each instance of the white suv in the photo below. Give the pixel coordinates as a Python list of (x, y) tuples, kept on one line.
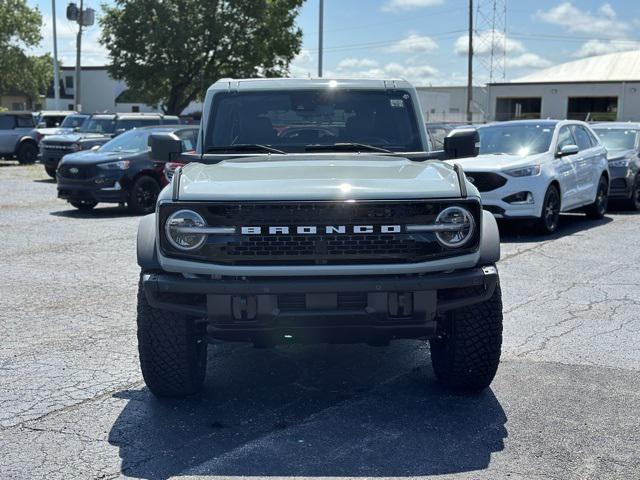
[(538, 168)]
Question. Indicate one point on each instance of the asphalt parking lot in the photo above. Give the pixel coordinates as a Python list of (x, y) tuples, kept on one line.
[(565, 403)]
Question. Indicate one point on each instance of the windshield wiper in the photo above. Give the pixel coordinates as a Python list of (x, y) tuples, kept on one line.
[(245, 147), (346, 146)]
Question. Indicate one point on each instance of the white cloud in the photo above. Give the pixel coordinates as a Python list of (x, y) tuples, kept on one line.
[(413, 44), (599, 47), (302, 65), (418, 74), (92, 52), (404, 5), (527, 60), (482, 42), (350, 63), (603, 22)]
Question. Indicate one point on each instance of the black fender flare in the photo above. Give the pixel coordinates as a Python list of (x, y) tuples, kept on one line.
[(146, 244), (489, 239), (23, 140)]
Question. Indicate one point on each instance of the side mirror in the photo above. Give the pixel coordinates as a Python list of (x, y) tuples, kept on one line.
[(568, 150), (165, 147), (95, 148), (76, 129), (462, 143)]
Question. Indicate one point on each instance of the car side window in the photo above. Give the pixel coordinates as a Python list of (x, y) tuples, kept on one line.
[(565, 137), (6, 122), (189, 140), (582, 137)]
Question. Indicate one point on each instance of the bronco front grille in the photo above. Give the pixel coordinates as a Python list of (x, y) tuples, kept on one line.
[(321, 248)]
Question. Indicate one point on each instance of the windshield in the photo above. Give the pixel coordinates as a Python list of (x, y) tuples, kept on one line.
[(523, 139), (617, 139), (293, 120), (51, 121), (99, 125), (133, 141), (73, 121)]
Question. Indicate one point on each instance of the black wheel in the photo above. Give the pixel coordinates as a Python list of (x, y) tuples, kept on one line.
[(634, 201), (27, 153), (143, 195), (84, 205), (172, 348), (51, 171), (550, 219), (599, 207), (466, 354)]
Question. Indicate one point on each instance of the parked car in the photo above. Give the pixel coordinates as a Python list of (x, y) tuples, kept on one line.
[(349, 230), (119, 171), (52, 118), (536, 169), (71, 123), (97, 130), (622, 141), (18, 138)]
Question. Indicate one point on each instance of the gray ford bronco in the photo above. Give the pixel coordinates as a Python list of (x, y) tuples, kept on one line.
[(315, 210)]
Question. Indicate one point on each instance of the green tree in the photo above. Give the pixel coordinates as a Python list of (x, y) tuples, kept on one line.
[(19, 31), (170, 51)]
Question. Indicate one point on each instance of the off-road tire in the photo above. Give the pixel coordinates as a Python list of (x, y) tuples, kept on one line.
[(172, 348), (550, 218), (51, 171), (466, 354), (84, 205), (598, 208), (143, 195), (27, 153), (634, 202)]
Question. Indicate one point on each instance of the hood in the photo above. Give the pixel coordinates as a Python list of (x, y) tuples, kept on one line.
[(331, 178), (620, 153), (74, 137), (493, 163), (54, 131), (89, 157)]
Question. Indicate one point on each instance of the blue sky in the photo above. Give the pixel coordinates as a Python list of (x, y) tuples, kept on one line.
[(424, 40)]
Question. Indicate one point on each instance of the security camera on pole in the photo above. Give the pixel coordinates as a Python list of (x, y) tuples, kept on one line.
[(84, 18)]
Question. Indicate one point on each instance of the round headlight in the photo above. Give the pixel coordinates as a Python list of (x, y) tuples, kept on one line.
[(177, 230), (460, 227)]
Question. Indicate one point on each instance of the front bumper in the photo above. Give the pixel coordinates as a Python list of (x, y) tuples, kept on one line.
[(319, 309), (622, 180), (106, 188)]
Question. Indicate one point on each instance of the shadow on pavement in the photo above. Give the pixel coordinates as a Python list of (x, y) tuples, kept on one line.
[(311, 411), (522, 231), (98, 212)]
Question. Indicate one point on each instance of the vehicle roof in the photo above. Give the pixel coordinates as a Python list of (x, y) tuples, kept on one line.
[(16, 112), (129, 115), (56, 112), (617, 125), (547, 123), (168, 127), (253, 84)]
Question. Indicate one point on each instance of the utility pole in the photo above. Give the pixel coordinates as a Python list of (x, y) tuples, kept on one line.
[(76, 85), (320, 34), (56, 71), (470, 66)]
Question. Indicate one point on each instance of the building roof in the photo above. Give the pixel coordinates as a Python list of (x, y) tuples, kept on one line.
[(613, 67)]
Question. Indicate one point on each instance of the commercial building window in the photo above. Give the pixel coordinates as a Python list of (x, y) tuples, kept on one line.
[(68, 81), (71, 106), (518, 108), (135, 108), (593, 108)]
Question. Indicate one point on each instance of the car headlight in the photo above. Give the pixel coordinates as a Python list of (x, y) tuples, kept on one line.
[(120, 165), (529, 171), (621, 162), (459, 227), (178, 228)]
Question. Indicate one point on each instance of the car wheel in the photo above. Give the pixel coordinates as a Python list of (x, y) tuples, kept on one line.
[(27, 153), (172, 349), (634, 201), (599, 207), (466, 354), (550, 219), (51, 171), (84, 205), (143, 195)]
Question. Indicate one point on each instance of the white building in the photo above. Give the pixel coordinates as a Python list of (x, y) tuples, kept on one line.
[(449, 104)]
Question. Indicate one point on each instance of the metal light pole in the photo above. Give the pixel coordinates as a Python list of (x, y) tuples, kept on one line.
[(56, 71), (470, 65), (78, 104), (320, 34)]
